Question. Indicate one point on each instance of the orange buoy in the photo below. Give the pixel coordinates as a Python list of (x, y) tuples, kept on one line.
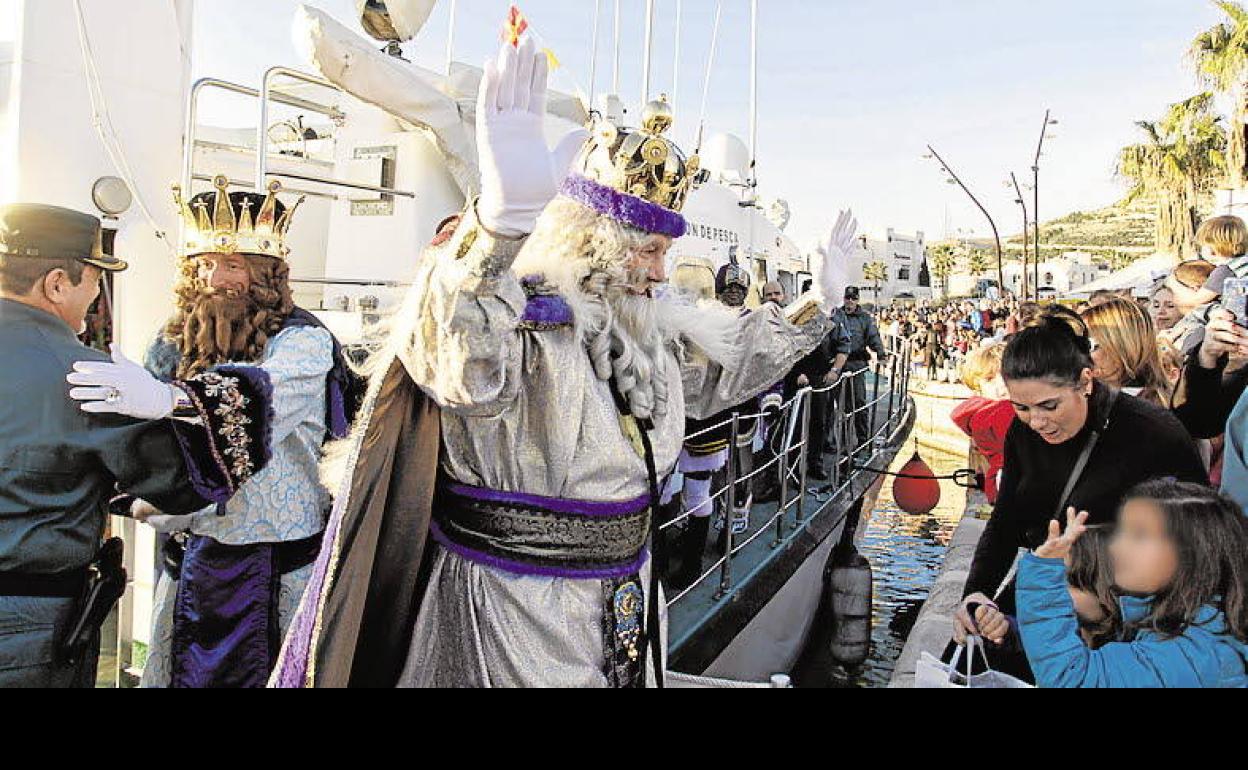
[(916, 489)]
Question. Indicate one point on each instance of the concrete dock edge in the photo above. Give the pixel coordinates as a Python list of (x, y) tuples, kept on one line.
[(934, 627)]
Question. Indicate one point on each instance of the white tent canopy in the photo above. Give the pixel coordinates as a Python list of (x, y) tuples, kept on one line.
[(1139, 276)]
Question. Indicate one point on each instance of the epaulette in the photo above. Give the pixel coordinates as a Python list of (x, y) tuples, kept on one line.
[(545, 309)]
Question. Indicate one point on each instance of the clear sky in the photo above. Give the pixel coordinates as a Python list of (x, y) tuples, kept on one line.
[(851, 90)]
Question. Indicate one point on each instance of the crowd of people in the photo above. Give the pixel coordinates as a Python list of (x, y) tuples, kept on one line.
[(1113, 434)]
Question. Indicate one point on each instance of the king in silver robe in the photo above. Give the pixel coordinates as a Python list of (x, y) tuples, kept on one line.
[(556, 372)]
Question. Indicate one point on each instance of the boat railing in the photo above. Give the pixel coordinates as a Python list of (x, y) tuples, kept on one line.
[(884, 413)]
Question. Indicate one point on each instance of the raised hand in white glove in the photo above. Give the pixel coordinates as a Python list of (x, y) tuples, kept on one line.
[(834, 273), (122, 387), (519, 173)]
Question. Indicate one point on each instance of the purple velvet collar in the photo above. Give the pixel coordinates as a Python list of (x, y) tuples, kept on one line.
[(628, 209)]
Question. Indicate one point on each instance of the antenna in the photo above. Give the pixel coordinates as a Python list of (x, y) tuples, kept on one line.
[(593, 57), (450, 37), (710, 66), (649, 55), (676, 62), (615, 72), (754, 94)]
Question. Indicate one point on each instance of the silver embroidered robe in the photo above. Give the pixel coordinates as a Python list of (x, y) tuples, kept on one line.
[(524, 412)]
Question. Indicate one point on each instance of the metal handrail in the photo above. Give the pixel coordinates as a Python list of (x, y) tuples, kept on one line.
[(262, 137), (192, 117), (790, 517)]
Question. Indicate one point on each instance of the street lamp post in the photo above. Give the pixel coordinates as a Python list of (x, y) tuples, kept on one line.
[(1035, 170), (1026, 235), (996, 234)]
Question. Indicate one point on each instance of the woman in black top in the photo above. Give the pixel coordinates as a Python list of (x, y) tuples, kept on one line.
[(1048, 371)]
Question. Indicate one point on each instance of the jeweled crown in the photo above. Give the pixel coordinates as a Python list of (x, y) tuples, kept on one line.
[(640, 162), (221, 231)]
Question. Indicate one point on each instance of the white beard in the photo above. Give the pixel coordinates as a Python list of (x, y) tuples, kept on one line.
[(632, 338), (582, 256)]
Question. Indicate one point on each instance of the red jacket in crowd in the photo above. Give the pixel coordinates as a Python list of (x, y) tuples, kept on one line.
[(986, 422)]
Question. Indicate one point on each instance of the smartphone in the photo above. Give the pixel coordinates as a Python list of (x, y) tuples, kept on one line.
[(1235, 299)]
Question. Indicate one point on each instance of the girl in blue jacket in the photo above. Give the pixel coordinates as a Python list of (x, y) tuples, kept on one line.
[(1180, 563)]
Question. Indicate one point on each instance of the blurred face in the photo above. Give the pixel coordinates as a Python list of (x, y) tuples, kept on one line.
[(774, 293), (226, 273), (71, 302), (1056, 412), (733, 296), (1145, 558), (647, 265), (1164, 310), (851, 306)]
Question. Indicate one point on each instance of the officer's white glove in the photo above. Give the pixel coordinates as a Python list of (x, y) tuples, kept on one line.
[(834, 273), (519, 174), (122, 387)]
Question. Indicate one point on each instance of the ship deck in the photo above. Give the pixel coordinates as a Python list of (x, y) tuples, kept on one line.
[(706, 618)]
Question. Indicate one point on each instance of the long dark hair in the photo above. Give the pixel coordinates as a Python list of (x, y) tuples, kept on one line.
[(1210, 533), (1054, 347), (1090, 571)]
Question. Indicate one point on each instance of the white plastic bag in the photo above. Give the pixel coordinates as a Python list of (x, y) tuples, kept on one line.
[(934, 674)]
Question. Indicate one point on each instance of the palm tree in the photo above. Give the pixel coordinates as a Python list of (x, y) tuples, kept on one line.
[(941, 263), (1220, 56), (876, 273), (1180, 161), (977, 263)]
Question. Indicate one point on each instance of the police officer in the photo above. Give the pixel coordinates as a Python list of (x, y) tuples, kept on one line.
[(59, 466), (864, 338)]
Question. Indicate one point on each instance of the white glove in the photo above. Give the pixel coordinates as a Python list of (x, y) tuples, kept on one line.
[(122, 387), (519, 174), (834, 273)]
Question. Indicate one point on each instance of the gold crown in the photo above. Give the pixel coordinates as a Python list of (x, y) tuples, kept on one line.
[(641, 162), (221, 232)]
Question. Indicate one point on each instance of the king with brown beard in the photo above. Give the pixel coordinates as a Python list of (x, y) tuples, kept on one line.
[(234, 572)]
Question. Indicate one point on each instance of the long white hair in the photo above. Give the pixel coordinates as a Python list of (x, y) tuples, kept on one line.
[(583, 256)]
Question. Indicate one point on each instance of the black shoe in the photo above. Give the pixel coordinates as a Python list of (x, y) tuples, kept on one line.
[(691, 547)]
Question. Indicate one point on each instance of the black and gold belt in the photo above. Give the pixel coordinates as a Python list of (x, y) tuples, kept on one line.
[(542, 536)]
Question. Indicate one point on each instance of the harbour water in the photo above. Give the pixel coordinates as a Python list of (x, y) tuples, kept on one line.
[(906, 551)]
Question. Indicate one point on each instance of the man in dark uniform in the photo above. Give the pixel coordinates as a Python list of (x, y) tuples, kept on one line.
[(820, 369), (60, 465), (864, 338)]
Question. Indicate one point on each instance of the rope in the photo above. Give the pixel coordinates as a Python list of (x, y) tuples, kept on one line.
[(103, 124)]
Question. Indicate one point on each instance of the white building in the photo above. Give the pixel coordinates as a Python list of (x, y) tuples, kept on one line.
[(904, 256), (1060, 276)]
